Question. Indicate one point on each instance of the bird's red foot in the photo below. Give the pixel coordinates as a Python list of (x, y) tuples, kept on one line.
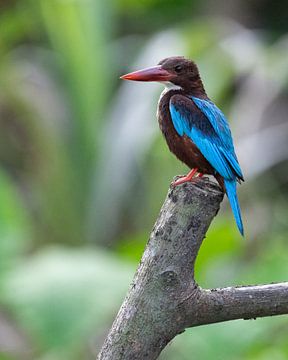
[(186, 178)]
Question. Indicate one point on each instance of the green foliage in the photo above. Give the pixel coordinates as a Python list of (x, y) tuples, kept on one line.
[(14, 226), (251, 338), (63, 296)]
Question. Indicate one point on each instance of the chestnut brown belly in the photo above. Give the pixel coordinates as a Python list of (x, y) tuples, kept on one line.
[(187, 152)]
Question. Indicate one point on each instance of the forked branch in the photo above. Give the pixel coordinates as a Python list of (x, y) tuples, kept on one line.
[(164, 298)]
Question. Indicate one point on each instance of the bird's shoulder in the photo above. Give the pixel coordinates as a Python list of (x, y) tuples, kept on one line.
[(189, 104), (184, 108), (203, 114)]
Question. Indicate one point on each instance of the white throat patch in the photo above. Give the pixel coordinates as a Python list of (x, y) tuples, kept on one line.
[(168, 86)]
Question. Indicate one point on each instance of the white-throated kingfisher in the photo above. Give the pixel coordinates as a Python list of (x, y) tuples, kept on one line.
[(195, 129)]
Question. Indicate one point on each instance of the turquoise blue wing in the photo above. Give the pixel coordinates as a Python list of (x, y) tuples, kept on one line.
[(208, 128)]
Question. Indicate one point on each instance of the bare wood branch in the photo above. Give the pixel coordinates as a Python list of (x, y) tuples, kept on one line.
[(242, 302), (164, 298)]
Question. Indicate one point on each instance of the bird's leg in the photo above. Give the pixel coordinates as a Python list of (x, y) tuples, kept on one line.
[(186, 178)]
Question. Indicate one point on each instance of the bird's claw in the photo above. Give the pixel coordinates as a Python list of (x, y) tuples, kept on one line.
[(187, 178), (180, 180)]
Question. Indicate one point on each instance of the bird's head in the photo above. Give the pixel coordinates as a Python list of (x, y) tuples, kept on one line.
[(177, 71)]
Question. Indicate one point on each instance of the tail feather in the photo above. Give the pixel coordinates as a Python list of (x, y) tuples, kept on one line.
[(230, 186)]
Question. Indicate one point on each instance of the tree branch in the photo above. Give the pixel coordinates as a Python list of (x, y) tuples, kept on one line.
[(164, 298), (243, 302)]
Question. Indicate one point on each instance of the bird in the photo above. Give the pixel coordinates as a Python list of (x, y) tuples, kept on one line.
[(195, 129)]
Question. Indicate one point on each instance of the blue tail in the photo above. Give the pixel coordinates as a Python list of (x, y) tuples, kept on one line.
[(232, 196)]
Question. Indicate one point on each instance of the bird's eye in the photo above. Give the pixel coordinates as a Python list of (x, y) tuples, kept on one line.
[(178, 68)]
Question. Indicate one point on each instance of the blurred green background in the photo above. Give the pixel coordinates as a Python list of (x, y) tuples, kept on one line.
[(84, 169)]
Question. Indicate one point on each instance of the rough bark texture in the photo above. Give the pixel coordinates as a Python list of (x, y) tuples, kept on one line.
[(164, 298)]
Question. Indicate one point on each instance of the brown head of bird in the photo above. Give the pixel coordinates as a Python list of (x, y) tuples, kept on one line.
[(177, 72)]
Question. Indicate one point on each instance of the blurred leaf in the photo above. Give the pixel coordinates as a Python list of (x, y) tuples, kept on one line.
[(16, 23), (78, 31), (233, 340), (221, 239), (14, 225), (65, 297), (132, 247), (270, 264)]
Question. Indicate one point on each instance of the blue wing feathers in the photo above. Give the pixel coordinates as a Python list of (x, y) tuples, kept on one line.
[(232, 159), (177, 120), (209, 130), (217, 120), (212, 153), (210, 133)]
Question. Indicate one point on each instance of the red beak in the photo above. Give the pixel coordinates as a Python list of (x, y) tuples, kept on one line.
[(155, 73)]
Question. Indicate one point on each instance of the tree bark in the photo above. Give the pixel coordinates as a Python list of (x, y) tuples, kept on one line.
[(164, 298)]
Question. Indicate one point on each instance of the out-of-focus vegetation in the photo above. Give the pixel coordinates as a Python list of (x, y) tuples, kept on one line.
[(84, 169)]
